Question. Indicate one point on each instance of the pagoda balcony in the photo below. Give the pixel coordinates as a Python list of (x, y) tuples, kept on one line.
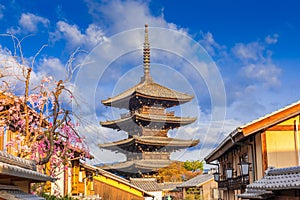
[(156, 155), (153, 112)]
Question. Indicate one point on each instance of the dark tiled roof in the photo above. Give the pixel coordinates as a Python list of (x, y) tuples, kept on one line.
[(150, 140), (274, 179), (279, 179), (197, 181), (13, 160), (19, 167), (14, 193), (138, 165), (148, 89), (17, 171), (256, 194), (119, 123), (169, 186), (147, 184)]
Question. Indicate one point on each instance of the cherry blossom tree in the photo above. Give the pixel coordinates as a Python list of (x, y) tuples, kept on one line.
[(36, 111)]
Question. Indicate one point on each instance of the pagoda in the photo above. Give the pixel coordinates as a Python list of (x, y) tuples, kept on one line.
[(147, 123)]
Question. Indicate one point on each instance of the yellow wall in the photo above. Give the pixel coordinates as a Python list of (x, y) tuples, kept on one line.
[(119, 185), (282, 146)]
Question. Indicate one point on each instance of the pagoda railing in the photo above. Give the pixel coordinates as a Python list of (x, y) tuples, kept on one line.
[(156, 155), (167, 114), (234, 183)]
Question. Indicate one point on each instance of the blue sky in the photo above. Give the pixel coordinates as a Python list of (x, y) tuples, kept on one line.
[(254, 46)]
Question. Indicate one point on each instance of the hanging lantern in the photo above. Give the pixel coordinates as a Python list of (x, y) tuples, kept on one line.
[(244, 168)]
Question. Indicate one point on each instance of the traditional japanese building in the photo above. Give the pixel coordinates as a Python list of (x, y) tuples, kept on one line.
[(147, 123)]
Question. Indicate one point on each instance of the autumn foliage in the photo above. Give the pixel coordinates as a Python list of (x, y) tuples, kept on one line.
[(180, 171)]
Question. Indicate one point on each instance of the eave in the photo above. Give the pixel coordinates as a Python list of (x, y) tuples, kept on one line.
[(137, 117), (137, 166), (149, 141), (253, 127), (148, 90)]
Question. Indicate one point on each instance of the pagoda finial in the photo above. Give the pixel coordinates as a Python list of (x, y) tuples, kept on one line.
[(146, 53)]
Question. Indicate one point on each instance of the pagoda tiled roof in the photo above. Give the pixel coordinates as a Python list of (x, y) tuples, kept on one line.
[(115, 124), (135, 166), (274, 179), (150, 90), (150, 140)]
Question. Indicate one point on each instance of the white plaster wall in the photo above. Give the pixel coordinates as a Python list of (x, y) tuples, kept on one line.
[(157, 195)]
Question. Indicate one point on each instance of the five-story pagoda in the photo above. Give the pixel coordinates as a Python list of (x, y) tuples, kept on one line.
[(147, 123)]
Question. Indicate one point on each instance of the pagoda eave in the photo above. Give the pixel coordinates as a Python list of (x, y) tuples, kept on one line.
[(133, 120), (169, 99), (150, 91), (138, 166), (125, 102), (160, 142)]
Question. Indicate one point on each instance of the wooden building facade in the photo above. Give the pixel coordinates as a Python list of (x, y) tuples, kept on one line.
[(92, 182), (270, 141), (16, 174), (202, 186)]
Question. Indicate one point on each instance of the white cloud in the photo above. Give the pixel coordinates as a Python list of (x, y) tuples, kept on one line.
[(14, 70), (209, 44), (256, 62), (51, 67), (124, 15), (272, 39), (11, 69), (2, 8), (75, 38), (267, 73), (251, 51), (30, 22)]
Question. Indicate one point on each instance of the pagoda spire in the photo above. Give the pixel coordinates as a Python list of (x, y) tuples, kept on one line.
[(146, 55)]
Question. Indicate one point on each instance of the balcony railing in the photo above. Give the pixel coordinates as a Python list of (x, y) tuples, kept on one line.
[(234, 183)]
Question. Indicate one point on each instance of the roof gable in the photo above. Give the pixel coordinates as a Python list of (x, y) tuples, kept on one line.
[(253, 127), (271, 119)]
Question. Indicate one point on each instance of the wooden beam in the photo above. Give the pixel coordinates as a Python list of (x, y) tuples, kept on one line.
[(282, 128), (272, 119), (264, 151)]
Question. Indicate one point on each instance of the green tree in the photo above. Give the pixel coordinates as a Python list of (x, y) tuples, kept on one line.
[(193, 165)]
